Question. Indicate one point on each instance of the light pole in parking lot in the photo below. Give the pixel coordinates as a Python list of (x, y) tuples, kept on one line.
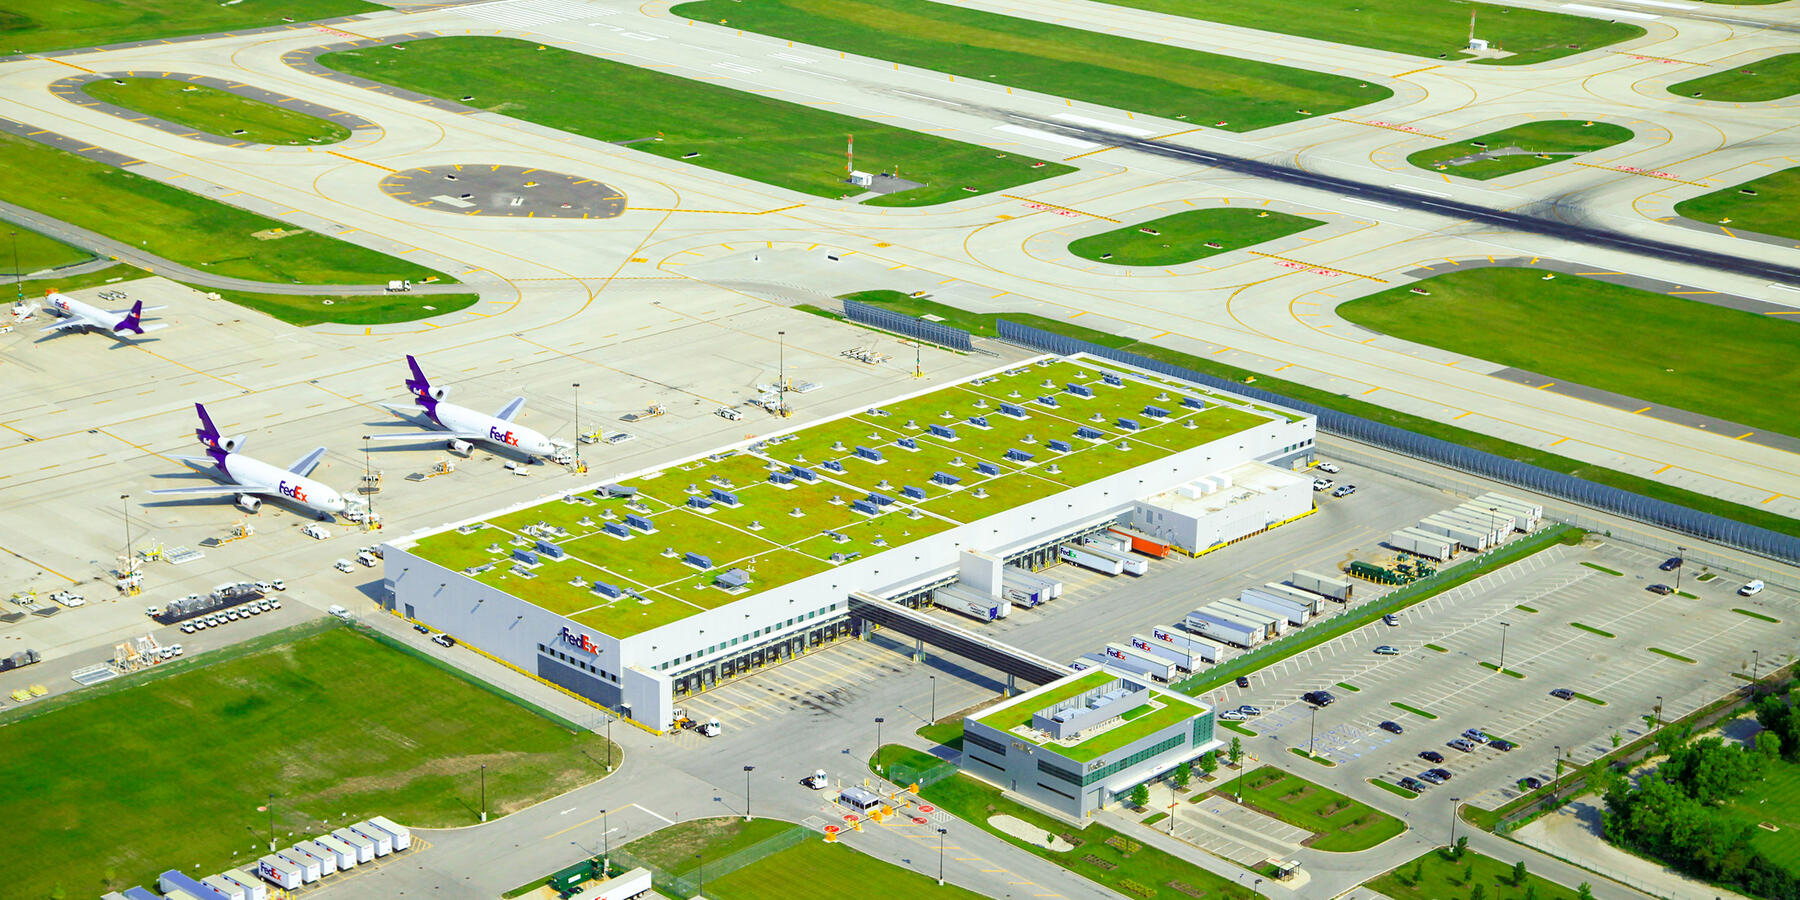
[(1503, 627), (1454, 801), (1755, 662), (605, 843), (941, 832), (1556, 770), (1311, 728), (781, 373), (747, 771), (934, 699), (1681, 563), (1659, 704)]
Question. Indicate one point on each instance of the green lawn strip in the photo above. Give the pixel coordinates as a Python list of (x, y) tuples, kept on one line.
[(1440, 876), (1591, 699), (1497, 314), (68, 24), (1770, 78), (1152, 820), (1495, 668), (34, 252), (1392, 788), (1234, 726), (815, 870), (1671, 654), (371, 309), (758, 137), (1547, 142), (1349, 687), (1434, 28), (215, 111), (1101, 854), (1770, 205), (1079, 64), (1308, 756), (183, 227), (1592, 630), (1188, 235), (1437, 648), (1393, 601), (949, 734), (983, 324), (1754, 615), (1529, 609), (1412, 709), (1339, 824), (1600, 568), (672, 849), (229, 719), (1687, 595), (1708, 576)]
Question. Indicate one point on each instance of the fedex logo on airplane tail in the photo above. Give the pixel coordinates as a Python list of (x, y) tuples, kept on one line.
[(503, 437), (293, 491), (578, 640)]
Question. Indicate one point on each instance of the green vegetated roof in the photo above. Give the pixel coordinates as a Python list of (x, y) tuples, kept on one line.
[(763, 536), (1164, 710)]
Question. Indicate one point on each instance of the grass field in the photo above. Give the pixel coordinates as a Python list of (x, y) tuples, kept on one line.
[(1101, 855), (773, 141), (1339, 824), (1440, 877), (1157, 79), (1770, 204), (816, 870), (1548, 142), (673, 849), (1185, 236), (1774, 800), (33, 252), (180, 226), (983, 324), (1434, 28), (1766, 79), (215, 111), (373, 309), (1661, 349), (67, 24), (146, 778)]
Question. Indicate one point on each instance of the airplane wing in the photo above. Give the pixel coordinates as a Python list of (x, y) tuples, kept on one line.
[(429, 435), (305, 464), (126, 312), (511, 409), (215, 489), (72, 322)]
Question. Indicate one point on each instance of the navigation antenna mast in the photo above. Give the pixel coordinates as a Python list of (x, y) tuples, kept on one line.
[(1472, 27), (850, 155)]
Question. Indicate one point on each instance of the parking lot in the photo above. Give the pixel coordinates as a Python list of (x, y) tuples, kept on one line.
[(1537, 599)]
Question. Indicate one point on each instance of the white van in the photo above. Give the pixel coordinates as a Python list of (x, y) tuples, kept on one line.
[(1752, 589)]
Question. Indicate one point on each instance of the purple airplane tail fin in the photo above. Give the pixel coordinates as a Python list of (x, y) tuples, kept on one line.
[(133, 322), (207, 432), (418, 383)]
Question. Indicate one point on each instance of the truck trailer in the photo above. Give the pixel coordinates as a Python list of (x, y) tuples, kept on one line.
[(1091, 558), (280, 873), (254, 888), (1131, 659), (384, 842), (365, 848), (634, 883), (231, 890), (1020, 593), (1140, 542), (1323, 585), (984, 609), (1314, 603), (346, 854), (1422, 543), (310, 870), (1128, 563), (327, 861), (1177, 655), (139, 893), (1296, 612), (1274, 625), (1219, 627), (401, 834), (1203, 649), (174, 881), (1472, 538), (1051, 588)]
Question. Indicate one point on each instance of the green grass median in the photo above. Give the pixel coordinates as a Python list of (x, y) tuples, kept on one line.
[(773, 141), (1407, 707), (1771, 78), (1188, 236), (27, 251), (1770, 205), (67, 24), (1503, 315), (206, 745), (1592, 630), (1542, 143), (1672, 655), (372, 309), (1339, 824), (217, 112), (1077, 63), (1755, 615)]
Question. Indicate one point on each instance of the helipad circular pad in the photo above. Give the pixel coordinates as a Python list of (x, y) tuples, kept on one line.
[(488, 190)]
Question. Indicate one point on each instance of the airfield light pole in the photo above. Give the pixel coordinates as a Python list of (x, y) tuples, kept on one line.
[(606, 843), (700, 863), (747, 771), (781, 372), (18, 276), (878, 721), (577, 387), (941, 832), (484, 792), (271, 808), (125, 502), (368, 490)]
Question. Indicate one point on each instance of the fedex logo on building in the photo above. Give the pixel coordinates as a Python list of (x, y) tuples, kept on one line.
[(502, 437), (293, 491), (578, 640)]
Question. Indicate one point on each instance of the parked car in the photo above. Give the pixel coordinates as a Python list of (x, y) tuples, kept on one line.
[(1751, 588), (1500, 745), (1431, 756), (1563, 694), (1671, 564), (1344, 491), (421, 629), (1328, 467), (1243, 682), (1231, 715), (1413, 784), (343, 565), (1391, 619), (443, 640), (1476, 735), (1321, 484), (1441, 773), (1385, 650), (1431, 776), (1663, 589), (1463, 744), (278, 584), (1249, 710), (1531, 783), (1392, 728), (1318, 698), (187, 628)]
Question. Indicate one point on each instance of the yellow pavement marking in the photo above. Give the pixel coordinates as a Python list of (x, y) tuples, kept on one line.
[(1636, 411), (1662, 470), (1056, 206), (363, 161), (1554, 443), (1399, 128), (1772, 497), (1317, 266), (1464, 414), (1414, 71), (1645, 174), (70, 65), (720, 212)]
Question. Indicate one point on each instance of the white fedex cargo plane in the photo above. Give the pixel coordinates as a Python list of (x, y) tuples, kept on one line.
[(79, 316), (461, 424), (248, 477)]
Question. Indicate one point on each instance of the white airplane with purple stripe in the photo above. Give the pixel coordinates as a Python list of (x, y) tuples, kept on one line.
[(248, 478), (461, 424)]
